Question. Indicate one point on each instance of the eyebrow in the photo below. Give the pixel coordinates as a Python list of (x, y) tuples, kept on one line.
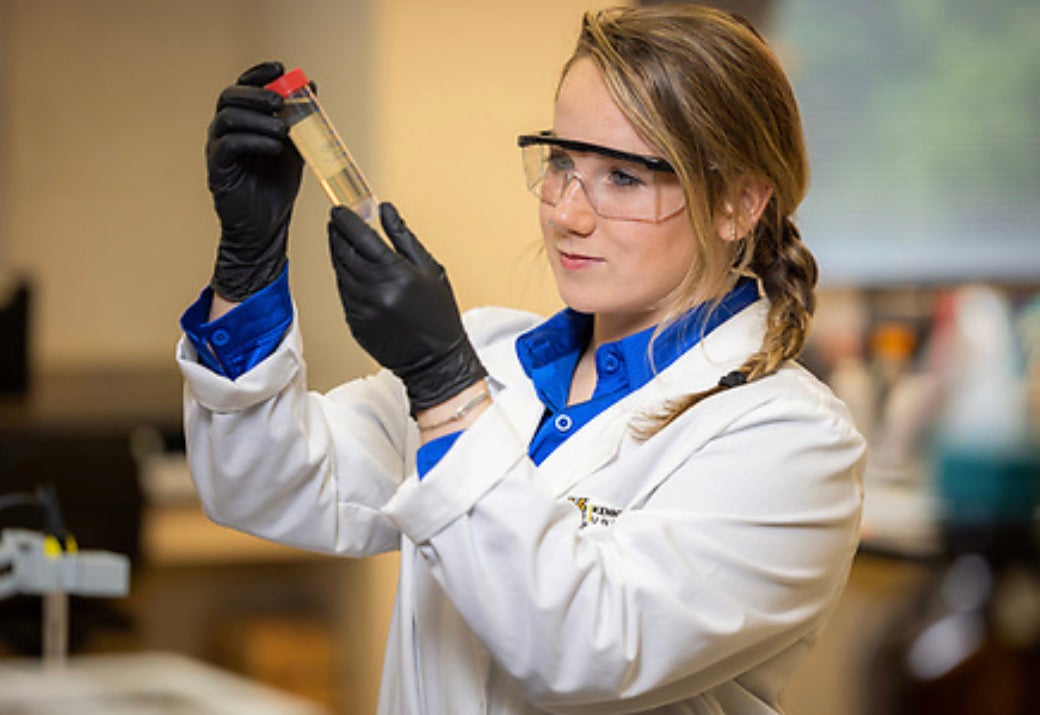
[(547, 138)]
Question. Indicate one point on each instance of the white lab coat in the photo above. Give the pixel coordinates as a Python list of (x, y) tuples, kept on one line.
[(689, 573)]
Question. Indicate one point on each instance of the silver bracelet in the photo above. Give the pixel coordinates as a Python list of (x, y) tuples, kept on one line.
[(457, 414)]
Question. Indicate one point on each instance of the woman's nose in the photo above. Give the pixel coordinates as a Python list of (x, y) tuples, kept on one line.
[(573, 213)]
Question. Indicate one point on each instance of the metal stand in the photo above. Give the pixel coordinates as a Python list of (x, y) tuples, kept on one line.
[(27, 567), (55, 629)]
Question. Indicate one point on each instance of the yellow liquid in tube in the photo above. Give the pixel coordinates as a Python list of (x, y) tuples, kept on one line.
[(339, 175)]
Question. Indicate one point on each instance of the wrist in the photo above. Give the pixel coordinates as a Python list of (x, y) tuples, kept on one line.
[(454, 414), (221, 306), (240, 271), (439, 380)]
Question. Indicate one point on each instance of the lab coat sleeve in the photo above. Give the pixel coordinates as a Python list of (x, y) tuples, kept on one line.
[(736, 555), (311, 470)]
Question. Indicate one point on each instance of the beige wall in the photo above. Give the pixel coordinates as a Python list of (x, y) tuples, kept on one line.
[(104, 198), (458, 81), (102, 181)]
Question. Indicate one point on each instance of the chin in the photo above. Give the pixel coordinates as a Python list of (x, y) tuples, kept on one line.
[(578, 300), (584, 303), (587, 294)]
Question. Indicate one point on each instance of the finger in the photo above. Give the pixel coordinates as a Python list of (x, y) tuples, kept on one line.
[(349, 264), (355, 273), (402, 237), (260, 74), (227, 150), (356, 279), (360, 235), (244, 121), (257, 99)]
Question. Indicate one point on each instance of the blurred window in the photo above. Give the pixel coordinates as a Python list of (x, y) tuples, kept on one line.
[(923, 125)]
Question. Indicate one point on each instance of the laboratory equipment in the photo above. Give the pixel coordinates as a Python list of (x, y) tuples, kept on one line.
[(51, 565), (969, 642), (321, 147)]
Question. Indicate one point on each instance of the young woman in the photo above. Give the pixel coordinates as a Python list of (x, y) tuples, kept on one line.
[(639, 504)]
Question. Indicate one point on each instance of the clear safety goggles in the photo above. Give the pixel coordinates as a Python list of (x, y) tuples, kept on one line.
[(617, 184)]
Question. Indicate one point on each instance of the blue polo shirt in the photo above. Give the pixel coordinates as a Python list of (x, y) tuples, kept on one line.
[(550, 352)]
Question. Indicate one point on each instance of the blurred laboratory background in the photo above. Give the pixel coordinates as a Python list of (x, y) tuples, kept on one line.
[(921, 120)]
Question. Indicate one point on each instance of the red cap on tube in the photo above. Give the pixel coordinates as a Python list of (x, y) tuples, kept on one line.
[(288, 82)]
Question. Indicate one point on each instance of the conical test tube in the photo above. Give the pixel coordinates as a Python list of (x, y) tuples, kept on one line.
[(321, 147)]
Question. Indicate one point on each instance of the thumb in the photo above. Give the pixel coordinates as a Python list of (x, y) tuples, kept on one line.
[(403, 239), (347, 226)]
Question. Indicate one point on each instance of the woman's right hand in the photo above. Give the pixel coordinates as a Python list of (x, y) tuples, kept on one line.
[(254, 175)]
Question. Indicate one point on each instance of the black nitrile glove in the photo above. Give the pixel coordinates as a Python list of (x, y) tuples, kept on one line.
[(400, 307), (254, 176)]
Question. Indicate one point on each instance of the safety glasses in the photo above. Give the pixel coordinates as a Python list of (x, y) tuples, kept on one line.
[(618, 184)]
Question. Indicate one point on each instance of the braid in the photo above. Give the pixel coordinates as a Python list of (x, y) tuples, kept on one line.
[(788, 273)]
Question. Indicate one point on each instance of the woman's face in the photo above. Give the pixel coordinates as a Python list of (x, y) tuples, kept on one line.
[(627, 273)]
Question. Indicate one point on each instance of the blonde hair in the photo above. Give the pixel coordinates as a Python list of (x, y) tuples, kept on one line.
[(703, 88)]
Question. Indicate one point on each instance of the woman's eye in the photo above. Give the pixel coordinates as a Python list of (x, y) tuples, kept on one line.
[(622, 177), (557, 161)]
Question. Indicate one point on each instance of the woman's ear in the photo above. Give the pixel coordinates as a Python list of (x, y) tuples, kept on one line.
[(752, 197)]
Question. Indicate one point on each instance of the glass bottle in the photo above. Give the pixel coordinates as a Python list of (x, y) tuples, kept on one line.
[(321, 147)]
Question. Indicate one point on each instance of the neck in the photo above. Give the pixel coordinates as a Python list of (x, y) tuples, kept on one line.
[(606, 328), (610, 327)]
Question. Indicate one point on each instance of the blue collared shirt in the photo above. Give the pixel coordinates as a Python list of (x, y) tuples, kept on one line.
[(550, 352), (241, 338)]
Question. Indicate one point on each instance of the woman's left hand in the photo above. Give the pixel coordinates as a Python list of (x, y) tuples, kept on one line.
[(400, 307)]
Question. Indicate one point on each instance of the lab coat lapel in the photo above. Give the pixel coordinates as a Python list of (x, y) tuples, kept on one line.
[(589, 448), (513, 393), (599, 442)]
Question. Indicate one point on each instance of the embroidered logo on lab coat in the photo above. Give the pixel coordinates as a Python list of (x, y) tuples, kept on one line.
[(594, 514)]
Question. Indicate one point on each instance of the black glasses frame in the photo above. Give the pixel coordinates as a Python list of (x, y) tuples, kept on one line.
[(546, 138)]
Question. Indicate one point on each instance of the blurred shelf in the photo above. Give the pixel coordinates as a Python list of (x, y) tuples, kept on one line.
[(184, 536), (99, 399)]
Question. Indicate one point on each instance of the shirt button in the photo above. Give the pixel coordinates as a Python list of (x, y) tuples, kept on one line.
[(611, 363), (220, 337), (564, 423)]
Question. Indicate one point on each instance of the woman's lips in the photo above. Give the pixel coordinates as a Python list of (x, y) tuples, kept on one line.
[(577, 261)]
